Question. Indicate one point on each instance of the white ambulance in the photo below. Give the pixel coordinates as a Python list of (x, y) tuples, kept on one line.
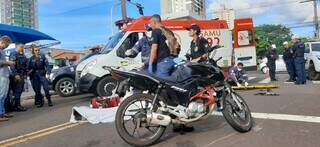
[(238, 46)]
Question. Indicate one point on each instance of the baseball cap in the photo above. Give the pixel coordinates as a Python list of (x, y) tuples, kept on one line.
[(194, 27)]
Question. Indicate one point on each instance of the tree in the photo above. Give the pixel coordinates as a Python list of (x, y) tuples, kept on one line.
[(267, 35)]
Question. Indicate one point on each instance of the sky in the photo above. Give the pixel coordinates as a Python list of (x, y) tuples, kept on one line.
[(81, 23)]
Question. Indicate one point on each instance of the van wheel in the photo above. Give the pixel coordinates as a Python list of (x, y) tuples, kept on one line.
[(105, 86), (65, 87), (313, 74)]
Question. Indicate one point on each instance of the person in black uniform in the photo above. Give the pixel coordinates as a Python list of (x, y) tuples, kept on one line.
[(288, 59), (198, 45), (272, 56), (19, 74), (299, 61), (38, 68)]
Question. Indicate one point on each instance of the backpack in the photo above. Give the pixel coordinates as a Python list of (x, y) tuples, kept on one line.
[(172, 41)]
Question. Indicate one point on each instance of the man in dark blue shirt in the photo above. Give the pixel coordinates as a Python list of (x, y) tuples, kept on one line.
[(288, 59), (299, 62)]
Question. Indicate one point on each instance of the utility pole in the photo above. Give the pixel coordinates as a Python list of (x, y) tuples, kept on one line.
[(315, 19), (124, 9)]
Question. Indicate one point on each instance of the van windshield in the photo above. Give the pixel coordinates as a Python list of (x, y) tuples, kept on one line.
[(316, 47), (113, 41)]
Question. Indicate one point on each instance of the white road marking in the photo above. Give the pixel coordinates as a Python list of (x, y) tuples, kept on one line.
[(316, 82), (265, 81), (250, 78), (300, 118)]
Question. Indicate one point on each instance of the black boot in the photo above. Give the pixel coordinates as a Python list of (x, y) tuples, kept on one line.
[(41, 103), (49, 102), (182, 128), (18, 107)]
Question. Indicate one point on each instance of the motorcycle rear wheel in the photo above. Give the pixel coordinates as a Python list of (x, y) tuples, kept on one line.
[(140, 116), (232, 113)]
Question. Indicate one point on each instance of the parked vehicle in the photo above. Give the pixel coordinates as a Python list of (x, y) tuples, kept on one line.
[(142, 118), (312, 55), (280, 65), (62, 80), (91, 77)]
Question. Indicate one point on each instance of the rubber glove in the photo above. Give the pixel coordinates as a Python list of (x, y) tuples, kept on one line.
[(150, 69), (238, 84)]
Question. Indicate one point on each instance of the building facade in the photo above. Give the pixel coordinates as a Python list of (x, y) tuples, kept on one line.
[(183, 9), (23, 13), (227, 15)]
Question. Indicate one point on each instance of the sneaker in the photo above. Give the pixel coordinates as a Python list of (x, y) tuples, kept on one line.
[(20, 109), (290, 81), (7, 115), (2, 118)]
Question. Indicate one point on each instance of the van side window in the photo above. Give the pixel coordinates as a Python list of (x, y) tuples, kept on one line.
[(307, 49), (127, 44)]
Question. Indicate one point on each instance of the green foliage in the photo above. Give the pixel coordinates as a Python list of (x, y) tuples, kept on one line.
[(267, 35)]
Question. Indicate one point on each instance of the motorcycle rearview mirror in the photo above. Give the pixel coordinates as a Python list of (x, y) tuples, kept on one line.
[(214, 48)]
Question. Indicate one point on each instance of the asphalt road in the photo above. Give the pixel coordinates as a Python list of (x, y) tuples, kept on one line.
[(294, 100)]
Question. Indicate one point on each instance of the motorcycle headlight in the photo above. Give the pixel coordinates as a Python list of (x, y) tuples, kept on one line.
[(88, 67)]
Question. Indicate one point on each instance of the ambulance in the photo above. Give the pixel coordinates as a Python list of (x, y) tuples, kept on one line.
[(238, 46)]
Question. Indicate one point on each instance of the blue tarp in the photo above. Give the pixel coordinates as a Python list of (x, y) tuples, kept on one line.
[(22, 35)]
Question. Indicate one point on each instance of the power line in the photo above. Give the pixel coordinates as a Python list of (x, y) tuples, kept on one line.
[(82, 8), (263, 5)]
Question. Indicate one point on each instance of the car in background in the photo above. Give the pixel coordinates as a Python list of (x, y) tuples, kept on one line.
[(312, 56), (280, 64), (62, 80)]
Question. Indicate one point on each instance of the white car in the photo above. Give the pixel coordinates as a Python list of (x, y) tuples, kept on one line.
[(312, 55), (280, 65)]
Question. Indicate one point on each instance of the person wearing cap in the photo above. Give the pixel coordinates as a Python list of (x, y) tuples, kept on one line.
[(289, 61), (272, 56), (299, 62), (198, 44), (4, 76)]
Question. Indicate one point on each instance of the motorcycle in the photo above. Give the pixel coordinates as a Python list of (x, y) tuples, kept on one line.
[(142, 118)]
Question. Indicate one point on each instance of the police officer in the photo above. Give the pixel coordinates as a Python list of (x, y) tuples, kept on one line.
[(198, 45), (299, 62), (19, 74), (38, 68), (288, 59), (272, 56)]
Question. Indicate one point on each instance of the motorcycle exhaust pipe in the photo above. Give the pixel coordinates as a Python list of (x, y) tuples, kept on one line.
[(159, 119)]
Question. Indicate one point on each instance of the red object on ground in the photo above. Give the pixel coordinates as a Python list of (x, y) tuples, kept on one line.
[(105, 102)]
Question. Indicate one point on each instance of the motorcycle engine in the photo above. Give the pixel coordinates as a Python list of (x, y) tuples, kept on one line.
[(196, 108)]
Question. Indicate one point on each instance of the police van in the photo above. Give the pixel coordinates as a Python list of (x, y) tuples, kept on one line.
[(238, 46)]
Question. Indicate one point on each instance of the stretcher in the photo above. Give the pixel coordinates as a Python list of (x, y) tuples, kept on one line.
[(265, 90), (254, 87)]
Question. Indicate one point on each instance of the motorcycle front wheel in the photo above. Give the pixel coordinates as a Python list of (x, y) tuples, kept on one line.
[(131, 121), (238, 118)]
